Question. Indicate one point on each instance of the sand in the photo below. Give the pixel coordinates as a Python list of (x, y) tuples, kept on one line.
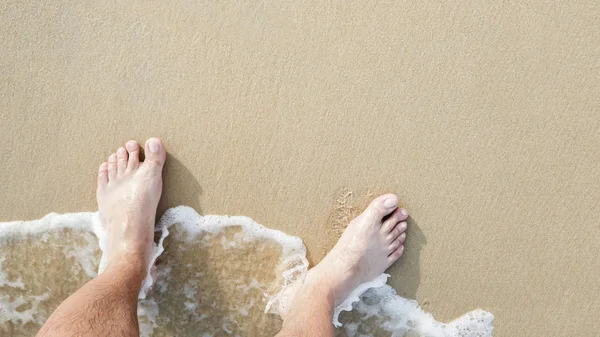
[(483, 117)]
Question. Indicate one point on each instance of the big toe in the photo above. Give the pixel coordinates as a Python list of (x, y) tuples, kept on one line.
[(381, 206), (155, 151)]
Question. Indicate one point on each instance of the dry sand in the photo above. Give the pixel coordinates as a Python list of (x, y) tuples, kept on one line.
[(484, 117)]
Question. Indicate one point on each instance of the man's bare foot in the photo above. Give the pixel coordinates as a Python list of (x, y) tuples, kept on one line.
[(369, 245), (128, 194)]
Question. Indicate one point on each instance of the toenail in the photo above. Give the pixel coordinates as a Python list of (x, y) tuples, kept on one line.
[(153, 146), (390, 202), (403, 212), (121, 151), (403, 226), (130, 145)]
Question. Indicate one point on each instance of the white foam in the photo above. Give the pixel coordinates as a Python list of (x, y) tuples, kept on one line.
[(10, 312), (399, 315), (194, 224), (4, 282), (354, 297), (11, 307), (369, 301), (49, 223), (147, 312), (85, 256), (394, 313)]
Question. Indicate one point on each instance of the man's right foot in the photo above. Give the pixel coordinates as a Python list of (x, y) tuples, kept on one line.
[(371, 243)]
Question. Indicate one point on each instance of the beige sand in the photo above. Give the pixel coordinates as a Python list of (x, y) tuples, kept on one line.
[(483, 116)]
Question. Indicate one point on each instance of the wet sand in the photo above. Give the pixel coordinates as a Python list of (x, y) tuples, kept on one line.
[(483, 118)]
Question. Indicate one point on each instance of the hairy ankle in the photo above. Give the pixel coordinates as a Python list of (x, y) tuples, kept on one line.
[(132, 268)]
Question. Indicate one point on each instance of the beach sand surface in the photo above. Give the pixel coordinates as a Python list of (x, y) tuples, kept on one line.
[(483, 117)]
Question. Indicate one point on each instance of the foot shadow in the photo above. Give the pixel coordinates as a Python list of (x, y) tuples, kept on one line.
[(180, 187), (406, 273)]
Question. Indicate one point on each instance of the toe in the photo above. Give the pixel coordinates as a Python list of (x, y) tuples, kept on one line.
[(403, 214), (396, 231), (155, 151), (395, 255), (102, 174), (399, 214), (396, 243), (121, 161), (112, 166), (134, 155), (380, 207)]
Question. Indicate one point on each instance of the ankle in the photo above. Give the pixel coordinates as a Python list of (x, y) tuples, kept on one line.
[(319, 280), (132, 268), (339, 281)]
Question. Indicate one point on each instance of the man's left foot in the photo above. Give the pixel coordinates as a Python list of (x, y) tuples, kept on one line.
[(128, 194)]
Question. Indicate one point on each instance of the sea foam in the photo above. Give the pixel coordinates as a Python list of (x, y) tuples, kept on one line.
[(214, 275)]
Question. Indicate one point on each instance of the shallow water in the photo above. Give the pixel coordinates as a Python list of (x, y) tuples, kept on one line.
[(217, 276)]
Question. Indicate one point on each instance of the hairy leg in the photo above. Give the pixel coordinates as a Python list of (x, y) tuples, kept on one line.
[(105, 306), (371, 243), (128, 194)]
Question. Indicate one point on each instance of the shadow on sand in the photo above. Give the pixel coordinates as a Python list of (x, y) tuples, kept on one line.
[(406, 273), (180, 187)]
